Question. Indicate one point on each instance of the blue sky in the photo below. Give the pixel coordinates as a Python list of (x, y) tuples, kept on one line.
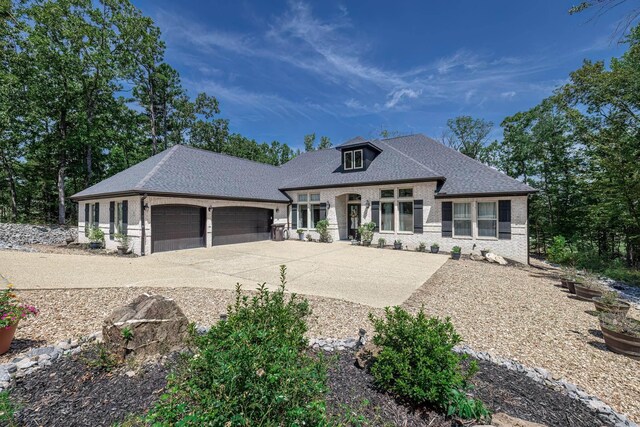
[(285, 69)]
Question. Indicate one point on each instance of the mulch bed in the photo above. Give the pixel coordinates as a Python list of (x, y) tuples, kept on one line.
[(72, 393), (501, 390)]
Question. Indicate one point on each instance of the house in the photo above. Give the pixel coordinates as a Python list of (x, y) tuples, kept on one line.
[(413, 188)]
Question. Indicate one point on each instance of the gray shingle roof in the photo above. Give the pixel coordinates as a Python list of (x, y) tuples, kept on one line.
[(190, 171)]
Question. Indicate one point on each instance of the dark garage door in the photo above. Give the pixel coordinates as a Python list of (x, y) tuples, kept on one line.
[(240, 224), (177, 227)]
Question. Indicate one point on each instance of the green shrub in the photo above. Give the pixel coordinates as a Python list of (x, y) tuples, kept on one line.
[(422, 247), (559, 251), (366, 231), (322, 227), (417, 361), (7, 410), (623, 274), (456, 249), (96, 234), (251, 369)]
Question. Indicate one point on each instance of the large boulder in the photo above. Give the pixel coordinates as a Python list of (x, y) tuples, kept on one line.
[(491, 257), (150, 325)]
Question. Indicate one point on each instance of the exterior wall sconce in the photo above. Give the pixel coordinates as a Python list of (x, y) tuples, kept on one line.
[(277, 210), (146, 206), (367, 203), (210, 208), (328, 205)]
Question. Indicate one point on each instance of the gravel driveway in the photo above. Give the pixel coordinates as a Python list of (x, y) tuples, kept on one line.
[(369, 276), (513, 312)]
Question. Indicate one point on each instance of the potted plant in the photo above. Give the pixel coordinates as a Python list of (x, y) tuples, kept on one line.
[(322, 227), (484, 251), (621, 334), (455, 252), (569, 279), (381, 242), (123, 240), (422, 247), (588, 289), (309, 238), (435, 248), (397, 244), (610, 303), (366, 232), (12, 311), (300, 233), (96, 238)]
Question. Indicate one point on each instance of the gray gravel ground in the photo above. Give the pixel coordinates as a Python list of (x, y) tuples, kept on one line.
[(515, 312)]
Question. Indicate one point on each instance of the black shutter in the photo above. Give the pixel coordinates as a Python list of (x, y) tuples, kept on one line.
[(294, 216), (96, 216), (375, 214), (125, 217), (504, 219), (87, 218), (447, 219), (112, 216), (323, 211), (417, 216)]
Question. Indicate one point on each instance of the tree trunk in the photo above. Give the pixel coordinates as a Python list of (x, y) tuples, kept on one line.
[(61, 197), (12, 185)]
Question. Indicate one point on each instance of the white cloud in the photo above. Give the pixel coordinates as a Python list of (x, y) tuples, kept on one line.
[(396, 96), (508, 94)]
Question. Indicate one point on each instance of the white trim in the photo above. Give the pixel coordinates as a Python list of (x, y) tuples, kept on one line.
[(495, 220), (453, 219), (344, 160), (361, 159)]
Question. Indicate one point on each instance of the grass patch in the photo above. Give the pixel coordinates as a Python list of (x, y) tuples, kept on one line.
[(7, 410)]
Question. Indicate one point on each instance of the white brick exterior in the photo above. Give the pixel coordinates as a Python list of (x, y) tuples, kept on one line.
[(515, 248), (134, 218)]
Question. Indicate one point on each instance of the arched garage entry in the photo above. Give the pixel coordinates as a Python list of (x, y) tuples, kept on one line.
[(176, 227), (240, 224)]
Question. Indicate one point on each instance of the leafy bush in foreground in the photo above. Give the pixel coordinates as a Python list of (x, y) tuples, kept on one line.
[(417, 362), (250, 369)]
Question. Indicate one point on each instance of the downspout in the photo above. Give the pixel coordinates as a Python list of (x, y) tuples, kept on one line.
[(143, 226), (528, 247)]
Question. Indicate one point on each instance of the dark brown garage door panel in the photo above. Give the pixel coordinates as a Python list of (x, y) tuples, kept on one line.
[(176, 227), (240, 224)]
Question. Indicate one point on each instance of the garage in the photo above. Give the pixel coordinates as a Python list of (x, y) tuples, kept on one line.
[(176, 227), (241, 225)]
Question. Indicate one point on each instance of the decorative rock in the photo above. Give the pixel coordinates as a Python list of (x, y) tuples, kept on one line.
[(156, 323), (491, 257), (5, 376), (503, 420), (130, 374), (25, 364), (475, 257), (366, 354)]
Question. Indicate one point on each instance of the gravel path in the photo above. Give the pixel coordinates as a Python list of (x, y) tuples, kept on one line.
[(513, 312), (520, 313)]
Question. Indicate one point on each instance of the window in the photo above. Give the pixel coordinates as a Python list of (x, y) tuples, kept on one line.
[(386, 216), (353, 160), (405, 192), (348, 160), (462, 219), (355, 197), (119, 219), (405, 216), (487, 219), (310, 212), (357, 159), (303, 221), (387, 194)]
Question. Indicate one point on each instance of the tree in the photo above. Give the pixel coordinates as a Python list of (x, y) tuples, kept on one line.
[(309, 142), (325, 142), (624, 25), (468, 135)]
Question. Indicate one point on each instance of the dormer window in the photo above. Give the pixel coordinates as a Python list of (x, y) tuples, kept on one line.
[(353, 159)]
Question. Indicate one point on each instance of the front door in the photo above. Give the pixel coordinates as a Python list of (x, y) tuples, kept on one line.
[(353, 217)]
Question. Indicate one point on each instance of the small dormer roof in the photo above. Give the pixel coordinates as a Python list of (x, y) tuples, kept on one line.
[(358, 142)]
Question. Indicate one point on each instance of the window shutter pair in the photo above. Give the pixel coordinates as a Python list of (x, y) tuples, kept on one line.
[(504, 219), (112, 215), (375, 214), (125, 217), (294, 216), (87, 218), (96, 215), (417, 216), (447, 219)]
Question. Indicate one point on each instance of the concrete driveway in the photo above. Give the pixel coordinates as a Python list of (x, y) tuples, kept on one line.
[(364, 275)]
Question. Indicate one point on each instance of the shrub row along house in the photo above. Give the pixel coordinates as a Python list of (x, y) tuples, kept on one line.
[(413, 188)]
